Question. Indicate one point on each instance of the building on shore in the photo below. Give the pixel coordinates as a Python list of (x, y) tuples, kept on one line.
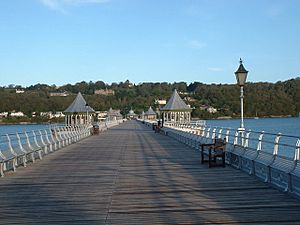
[(150, 114), (19, 91), (3, 114), (79, 112), (105, 92), (17, 114), (58, 94), (176, 110), (160, 102)]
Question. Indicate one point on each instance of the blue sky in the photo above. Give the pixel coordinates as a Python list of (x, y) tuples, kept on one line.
[(68, 41)]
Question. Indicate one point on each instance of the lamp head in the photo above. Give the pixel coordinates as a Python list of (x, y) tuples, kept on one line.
[(241, 74)]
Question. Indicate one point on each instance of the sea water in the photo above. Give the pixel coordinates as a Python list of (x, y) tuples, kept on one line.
[(12, 129), (287, 126)]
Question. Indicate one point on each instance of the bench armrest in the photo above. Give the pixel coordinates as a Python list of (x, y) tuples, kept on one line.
[(221, 147), (203, 145)]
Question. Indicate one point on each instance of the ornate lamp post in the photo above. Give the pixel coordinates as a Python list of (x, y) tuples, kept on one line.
[(241, 76)]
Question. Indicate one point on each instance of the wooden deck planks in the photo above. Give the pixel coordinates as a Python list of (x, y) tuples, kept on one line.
[(131, 175)]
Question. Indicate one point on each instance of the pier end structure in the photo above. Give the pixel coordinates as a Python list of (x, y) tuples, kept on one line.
[(176, 110), (114, 114), (79, 112), (150, 115)]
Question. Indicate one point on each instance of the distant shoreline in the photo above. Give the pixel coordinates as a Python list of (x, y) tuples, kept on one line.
[(252, 117), (23, 123)]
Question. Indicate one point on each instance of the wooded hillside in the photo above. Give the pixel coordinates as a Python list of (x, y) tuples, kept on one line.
[(261, 99)]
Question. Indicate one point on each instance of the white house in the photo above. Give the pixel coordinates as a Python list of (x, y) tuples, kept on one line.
[(58, 115), (17, 114), (46, 114), (160, 102), (20, 91), (211, 109), (3, 114)]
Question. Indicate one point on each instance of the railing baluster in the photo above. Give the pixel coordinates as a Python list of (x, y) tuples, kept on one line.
[(207, 132), (246, 144), (22, 149), (276, 142), (297, 150), (31, 148), (214, 133), (14, 160), (259, 145), (227, 135), (236, 138), (220, 133)]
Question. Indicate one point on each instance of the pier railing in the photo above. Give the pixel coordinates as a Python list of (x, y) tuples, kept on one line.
[(20, 148), (273, 158)]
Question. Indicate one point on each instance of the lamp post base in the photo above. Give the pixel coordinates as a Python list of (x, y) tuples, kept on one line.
[(241, 131)]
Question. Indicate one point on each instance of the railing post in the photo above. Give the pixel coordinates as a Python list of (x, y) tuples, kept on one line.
[(296, 160), (36, 143), (259, 144), (220, 133), (297, 150), (53, 138), (48, 140), (76, 134), (2, 169), (43, 142), (22, 149), (14, 162), (276, 142), (67, 136), (246, 143), (227, 136), (2, 156), (58, 134), (72, 134), (214, 133), (20, 143), (203, 131), (29, 145), (2, 164), (207, 133), (10, 145), (236, 138)]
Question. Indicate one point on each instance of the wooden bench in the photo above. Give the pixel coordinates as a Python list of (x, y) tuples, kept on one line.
[(213, 151)]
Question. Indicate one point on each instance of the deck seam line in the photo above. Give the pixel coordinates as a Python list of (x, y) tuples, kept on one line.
[(116, 176)]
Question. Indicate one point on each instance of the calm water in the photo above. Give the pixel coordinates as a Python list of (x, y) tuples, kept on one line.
[(10, 129), (287, 126)]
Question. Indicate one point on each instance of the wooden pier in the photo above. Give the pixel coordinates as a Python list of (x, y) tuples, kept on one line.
[(131, 175)]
